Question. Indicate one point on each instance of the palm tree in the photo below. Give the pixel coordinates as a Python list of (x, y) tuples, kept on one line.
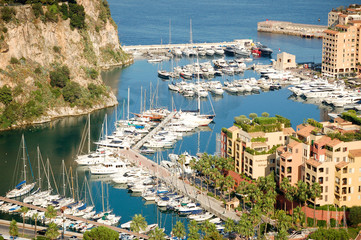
[(178, 230), (303, 194), (283, 223), (291, 194), (245, 227), (50, 212), (298, 217), (35, 218), (228, 185), (181, 161), (193, 230), (23, 211), (315, 192), (229, 226), (138, 223), (242, 190), (156, 234), (13, 229), (208, 229), (52, 231), (285, 186)]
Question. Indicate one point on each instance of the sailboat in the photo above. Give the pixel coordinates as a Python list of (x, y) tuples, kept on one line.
[(23, 187)]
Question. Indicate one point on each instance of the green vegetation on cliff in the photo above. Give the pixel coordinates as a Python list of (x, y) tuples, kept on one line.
[(25, 104)]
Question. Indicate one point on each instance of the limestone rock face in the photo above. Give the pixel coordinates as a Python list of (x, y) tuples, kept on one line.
[(46, 43)]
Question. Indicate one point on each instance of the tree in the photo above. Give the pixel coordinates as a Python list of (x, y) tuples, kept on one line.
[(252, 115), (355, 215), (157, 234), (229, 226), (285, 186), (52, 231), (5, 95), (101, 233), (60, 76), (7, 13), (178, 230), (24, 210), (35, 218), (193, 230), (321, 234), (138, 223), (72, 92), (208, 229), (245, 226), (50, 212), (13, 229), (315, 192), (303, 194), (298, 217), (265, 114)]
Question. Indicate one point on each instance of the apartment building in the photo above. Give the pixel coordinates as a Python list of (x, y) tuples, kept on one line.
[(254, 152), (341, 51)]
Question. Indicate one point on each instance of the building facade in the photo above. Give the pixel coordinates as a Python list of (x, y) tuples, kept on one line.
[(341, 52)]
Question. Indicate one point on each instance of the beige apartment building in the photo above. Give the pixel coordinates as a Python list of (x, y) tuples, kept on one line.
[(341, 52), (254, 152)]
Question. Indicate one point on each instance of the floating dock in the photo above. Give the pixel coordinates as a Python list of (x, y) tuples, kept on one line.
[(30, 206), (208, 203), (289, 28), (167, 47)]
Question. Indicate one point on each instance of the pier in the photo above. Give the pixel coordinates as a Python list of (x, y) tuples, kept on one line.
[(166, 47), (154, 131), (289, 28), (30, 206), (208, 203)]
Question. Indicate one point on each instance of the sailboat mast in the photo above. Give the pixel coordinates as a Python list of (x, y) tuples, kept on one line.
[(141, 99), (63, 164), (89, 133), (128, 103), (170, 32), (48, 170), (72, 181), (145, 99), (39, 176), (190, 32), (106, 125), (199, 99), (24, 155), (102, 195)]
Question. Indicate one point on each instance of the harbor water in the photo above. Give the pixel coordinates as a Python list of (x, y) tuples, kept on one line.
[(144, 22)]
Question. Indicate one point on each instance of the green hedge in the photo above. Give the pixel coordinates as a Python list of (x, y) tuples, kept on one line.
[(310, 222), (265, 120), (314, 123), (259, 139), (352, 117), (321, 223)]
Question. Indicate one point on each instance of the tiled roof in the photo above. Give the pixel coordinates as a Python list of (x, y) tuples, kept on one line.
[(323, 140), (313, 162), (306, 130), (288, 131), (355, 153), (333, 142), (342, 26), (341, 164), (233, 128), (331, 31), (293, 144), (286, 155), (258, 144)]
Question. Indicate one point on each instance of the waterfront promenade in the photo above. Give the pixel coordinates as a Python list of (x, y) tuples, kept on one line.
[(208, 203), (73, 217), (289, 28)]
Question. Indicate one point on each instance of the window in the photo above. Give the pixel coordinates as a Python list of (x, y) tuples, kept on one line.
[(308, 176), (289, 170), (250, 170), (305, 152), (359, 188), (282, 169), (296, 150), (314, 169), (251, 162), (326, 189), (338, 150), (344, 149), (320, 170), (326, 198), (320, 180), (351, 170), (327, 170), (313, 179), (326, 179), (280, 138)]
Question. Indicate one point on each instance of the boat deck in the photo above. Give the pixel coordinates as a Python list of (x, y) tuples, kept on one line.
[(30, 206)]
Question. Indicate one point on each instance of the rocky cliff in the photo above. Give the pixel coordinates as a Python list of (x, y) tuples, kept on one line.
[(37, 41)]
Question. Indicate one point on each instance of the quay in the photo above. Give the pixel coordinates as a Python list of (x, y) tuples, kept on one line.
[(210, 204), (167, 47), (289, 28), (30, 206), (154, 131)]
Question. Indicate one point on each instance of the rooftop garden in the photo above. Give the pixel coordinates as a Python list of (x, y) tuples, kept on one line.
[(352, 117), (270, 151), (345, 137), (261, 124)]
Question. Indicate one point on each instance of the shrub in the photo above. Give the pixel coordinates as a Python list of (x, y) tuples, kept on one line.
[(32, 109), (95, 91), (72, 92), (314, 123), (7, 14), (265, 120), (11, 114), (355, 215), (252, 115), (310, 222), (321, 223), (77, 16), (265, 114), (37, 70), (52, 14), (14, 60), (56, 92), (60, 76), (5, 95), (64, 11), (37, 9), (57, 49), (321, 234), (333, 222), (5, 29)]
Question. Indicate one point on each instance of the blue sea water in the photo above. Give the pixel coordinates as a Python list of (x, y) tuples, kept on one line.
[(147, 22)]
